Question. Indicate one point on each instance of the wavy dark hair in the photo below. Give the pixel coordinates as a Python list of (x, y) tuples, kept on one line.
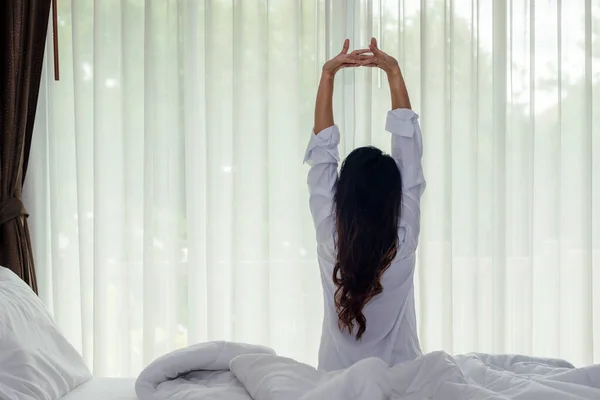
[(367, 208)]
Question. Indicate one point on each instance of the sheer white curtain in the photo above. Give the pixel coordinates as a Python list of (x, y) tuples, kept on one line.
[(167, 192)]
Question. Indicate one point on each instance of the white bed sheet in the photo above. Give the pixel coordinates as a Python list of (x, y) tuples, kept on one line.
[(104, 389)]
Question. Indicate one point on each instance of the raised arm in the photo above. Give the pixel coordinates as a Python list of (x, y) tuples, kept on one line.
[(402, 123), (322, 152), (324, 103), (407, 146)]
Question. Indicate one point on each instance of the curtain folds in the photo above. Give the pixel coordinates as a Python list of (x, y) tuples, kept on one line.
[(167, 166), (23, 29)]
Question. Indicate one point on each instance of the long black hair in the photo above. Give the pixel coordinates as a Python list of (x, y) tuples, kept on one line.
[(367, 208)]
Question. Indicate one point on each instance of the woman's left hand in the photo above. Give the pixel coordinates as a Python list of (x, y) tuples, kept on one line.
[(345, 60)]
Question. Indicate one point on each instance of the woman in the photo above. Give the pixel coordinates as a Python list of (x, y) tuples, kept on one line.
[(367, 225)]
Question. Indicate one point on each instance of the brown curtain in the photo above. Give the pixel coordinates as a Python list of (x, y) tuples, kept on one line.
[(23, 27)]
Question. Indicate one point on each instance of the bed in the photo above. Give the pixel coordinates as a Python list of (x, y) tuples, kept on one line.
[(104, 389), (238, 371), (37, 362)]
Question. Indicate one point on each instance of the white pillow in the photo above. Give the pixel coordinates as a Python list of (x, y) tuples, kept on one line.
[(36, 361)]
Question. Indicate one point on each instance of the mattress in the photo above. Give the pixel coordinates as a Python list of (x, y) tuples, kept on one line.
[(104, 389)]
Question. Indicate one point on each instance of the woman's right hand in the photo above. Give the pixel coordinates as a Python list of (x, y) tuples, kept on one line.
[(398, 91), (382, 60)]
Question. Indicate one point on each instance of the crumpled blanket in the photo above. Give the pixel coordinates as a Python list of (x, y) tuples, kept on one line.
[(235, 371)]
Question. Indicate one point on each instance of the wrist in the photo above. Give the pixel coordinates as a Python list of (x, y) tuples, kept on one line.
[(394, 73), (327, 75)]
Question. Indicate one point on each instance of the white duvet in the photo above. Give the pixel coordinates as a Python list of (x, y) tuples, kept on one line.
[(232, 371)]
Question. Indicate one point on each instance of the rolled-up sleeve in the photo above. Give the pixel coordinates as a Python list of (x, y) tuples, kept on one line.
[(322, 156), (407, 150)]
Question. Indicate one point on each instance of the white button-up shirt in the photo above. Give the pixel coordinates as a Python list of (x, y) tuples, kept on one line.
[(391, 332)]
